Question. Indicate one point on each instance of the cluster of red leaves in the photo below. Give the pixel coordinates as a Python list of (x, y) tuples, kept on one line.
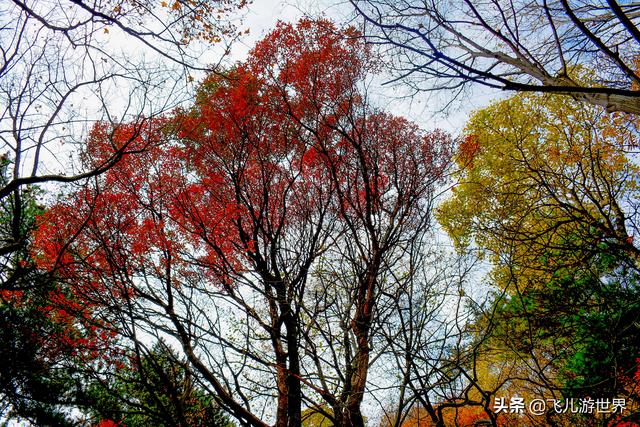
[(109, 423), (632, 385), (11, 296), (313, 62), (452, 416), (469, 148), (64, 328)]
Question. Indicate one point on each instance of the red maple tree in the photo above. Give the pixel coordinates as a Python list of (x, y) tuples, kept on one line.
[(258, 228)]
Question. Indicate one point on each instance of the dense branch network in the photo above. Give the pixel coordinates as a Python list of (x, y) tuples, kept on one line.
[(519, 45)]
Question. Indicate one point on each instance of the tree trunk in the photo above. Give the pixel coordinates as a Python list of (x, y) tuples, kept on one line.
[(293, 378), (361, 326)]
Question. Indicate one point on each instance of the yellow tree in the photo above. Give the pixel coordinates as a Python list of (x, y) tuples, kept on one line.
[(542, 174), (548, 192)]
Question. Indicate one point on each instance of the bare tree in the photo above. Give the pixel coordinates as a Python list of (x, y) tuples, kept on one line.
[(369, 265), (520, 45)]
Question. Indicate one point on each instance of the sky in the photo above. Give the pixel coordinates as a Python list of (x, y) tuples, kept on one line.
[(261, 16)]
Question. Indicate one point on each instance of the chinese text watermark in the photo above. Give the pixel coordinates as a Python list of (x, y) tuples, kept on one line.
[(585, 405)]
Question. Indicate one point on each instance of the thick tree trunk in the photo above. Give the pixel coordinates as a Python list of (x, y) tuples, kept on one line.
[(282, 411), (289, 410), (353, 414), (274, 292), (361, 326)]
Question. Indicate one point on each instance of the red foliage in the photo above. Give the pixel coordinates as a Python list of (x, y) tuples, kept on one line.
[(281, 140), (455, 416), (468, 150), (109, 423)]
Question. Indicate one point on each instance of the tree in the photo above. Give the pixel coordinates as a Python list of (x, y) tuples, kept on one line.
[(61, 71), (49, 105), (464, 416), (261, 223), (522, 45), (154, 389), (437, 366), (542, 176), (46, 334), (314, 417), (548, 192)]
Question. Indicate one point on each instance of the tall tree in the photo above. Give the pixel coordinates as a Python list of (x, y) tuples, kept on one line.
[(267, 220), (65, 65)]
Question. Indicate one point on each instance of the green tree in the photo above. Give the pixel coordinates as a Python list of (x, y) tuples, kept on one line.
[(154, 389)]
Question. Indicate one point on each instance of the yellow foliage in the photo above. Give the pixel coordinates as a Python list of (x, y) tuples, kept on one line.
[(540, 173)]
